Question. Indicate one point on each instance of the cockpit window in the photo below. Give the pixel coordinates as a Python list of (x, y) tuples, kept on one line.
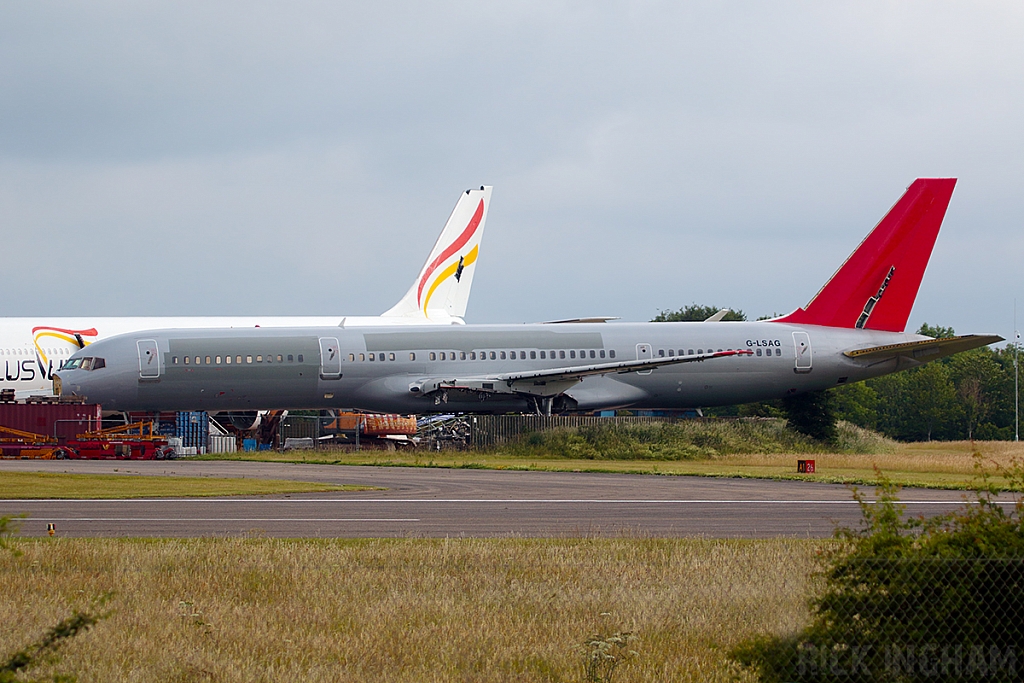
[(87, 363)]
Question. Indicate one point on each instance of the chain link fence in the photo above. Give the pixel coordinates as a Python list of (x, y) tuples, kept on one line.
[(903, 620)]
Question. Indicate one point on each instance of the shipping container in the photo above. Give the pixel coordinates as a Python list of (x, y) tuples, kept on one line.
[(62, 420)]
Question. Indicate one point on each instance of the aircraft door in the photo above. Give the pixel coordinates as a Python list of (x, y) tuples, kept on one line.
[(330, 358), (149, 359), (643, 352), (802, 348)]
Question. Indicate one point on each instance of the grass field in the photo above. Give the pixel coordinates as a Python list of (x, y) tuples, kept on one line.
[(401, 610), (45, 485), (934, 464)]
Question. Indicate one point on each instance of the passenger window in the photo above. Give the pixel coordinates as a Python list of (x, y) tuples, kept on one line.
[(671, 353), (279, 359), (778, 352), (611, 353), (186, 360), (572, 354), (248, 359), (227, 360), (690, 352), (198, 360), (719, 350), (759, 352), (552, 355), (661, 353), (207, 360), (542, 354), (391, 356), (472, 355), (512, 355), (373, 357), (300, 357), (433, 356), (218, 360), (462, 355), (351, 356), (412, 356), (238, 360), (602, 353), (592, 354), (680, 352), (174, 360), (259, 359), (533, 355), (493, 355)]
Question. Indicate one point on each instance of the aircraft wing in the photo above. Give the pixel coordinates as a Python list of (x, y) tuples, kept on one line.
[(555, 380), (925, 350)]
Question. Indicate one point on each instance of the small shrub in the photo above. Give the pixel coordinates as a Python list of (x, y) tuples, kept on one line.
[(602, 655), (908, 599)]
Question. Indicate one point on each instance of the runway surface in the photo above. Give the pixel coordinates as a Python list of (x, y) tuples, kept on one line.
[(421, 502)]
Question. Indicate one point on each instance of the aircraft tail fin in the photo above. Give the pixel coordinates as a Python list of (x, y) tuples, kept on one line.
[(875, 288), (441, 290)]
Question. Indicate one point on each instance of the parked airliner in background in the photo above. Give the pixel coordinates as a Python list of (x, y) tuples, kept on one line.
[(851, 330), (31, 349)]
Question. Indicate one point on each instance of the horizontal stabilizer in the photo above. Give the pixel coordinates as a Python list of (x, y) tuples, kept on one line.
[(926, 350), (596, 319), (717, 317)]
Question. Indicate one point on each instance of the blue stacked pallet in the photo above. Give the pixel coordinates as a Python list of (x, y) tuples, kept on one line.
[(192, 428)]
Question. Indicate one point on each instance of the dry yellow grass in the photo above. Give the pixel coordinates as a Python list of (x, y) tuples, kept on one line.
[(933, 464), (402, 610)]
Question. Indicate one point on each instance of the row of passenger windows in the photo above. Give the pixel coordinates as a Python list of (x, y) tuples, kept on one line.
[(28, 352), (237, 360), (690, 352), (491, 355)]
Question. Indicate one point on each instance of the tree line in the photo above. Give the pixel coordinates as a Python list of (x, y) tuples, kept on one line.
[(966, 396)]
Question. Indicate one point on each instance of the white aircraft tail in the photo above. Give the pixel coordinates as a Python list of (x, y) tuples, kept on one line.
[(441, 290)]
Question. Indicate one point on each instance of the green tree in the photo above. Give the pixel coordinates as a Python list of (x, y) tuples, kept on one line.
[(919, 404), (695, 313), (984, 389), (813, 414), (857, 403), (937, 331)]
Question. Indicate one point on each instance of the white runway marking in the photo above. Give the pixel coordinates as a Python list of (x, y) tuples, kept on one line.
[(558, 501), (217, 519)]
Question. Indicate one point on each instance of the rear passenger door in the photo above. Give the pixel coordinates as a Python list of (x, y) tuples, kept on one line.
[(643, 352), (330, 358)]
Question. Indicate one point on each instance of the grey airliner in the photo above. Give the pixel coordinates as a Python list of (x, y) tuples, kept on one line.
[(853, 329)]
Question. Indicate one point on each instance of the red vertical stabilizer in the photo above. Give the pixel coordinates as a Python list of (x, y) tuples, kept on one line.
[(875, 288)]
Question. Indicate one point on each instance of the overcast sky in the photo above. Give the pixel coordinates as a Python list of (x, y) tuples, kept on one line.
[(301, 158)]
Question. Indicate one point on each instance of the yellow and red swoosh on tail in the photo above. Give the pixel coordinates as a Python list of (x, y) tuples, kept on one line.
[(467, 234), (39, 334)]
